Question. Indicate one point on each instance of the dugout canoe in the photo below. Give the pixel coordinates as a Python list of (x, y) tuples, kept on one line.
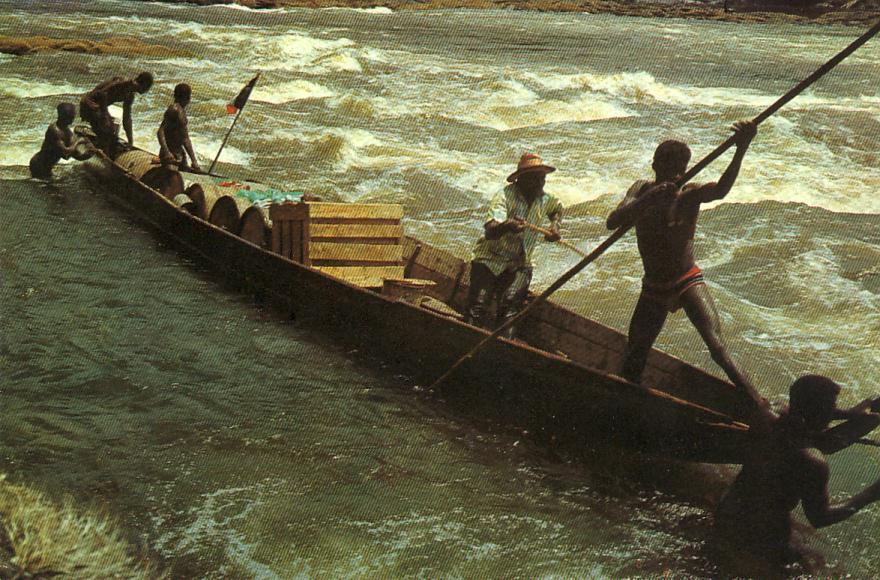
[(557, 382)]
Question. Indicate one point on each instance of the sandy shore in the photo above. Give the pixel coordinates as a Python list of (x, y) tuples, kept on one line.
[(833, 12)]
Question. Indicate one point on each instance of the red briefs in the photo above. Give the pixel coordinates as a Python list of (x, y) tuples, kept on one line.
[(669, 293)]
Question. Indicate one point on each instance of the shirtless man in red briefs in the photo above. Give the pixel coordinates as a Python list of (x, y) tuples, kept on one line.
[(665, 219)]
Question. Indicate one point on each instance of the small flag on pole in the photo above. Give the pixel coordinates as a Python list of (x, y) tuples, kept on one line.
[(242, 98), (235, 108)]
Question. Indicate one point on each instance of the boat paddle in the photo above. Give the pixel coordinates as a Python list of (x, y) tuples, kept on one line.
[(236, 106), (547, 232), (601, 248)]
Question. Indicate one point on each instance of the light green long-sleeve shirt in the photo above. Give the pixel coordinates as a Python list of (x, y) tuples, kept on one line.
[(514, 250)]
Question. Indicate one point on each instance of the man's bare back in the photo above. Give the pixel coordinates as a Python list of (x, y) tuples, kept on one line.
[(753, 520)]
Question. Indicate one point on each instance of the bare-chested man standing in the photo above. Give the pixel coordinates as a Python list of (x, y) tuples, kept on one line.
[(665, 219), (173, 134)]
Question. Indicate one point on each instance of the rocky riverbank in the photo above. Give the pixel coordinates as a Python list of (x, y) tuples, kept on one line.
[(828, 12), (113, 45)]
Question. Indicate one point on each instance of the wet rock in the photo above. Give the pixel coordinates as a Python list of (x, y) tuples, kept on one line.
[(40, 538), (113, 45), (820, 11), (248, 3)]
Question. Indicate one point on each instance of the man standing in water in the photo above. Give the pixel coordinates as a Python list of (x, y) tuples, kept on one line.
[(173, 134), (58, 143), (93, 108), (753, 519), (665, 220), (501, 268)]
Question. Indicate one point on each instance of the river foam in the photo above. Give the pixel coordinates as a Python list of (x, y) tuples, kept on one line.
[(297, 90), (20, 88)]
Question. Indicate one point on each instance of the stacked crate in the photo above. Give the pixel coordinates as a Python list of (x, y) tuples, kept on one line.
[(360, 243)]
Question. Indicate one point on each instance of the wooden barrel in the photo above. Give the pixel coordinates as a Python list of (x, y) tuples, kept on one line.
[(224, 214), (185, 202), (227, 212), (256, 226), (137, 162), (144, 167), (165, 180), (206, 196), (197, 195)]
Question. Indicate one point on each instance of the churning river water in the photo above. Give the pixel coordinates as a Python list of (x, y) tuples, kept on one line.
[(229, 443)]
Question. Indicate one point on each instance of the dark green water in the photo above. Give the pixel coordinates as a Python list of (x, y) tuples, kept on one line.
[(229, 442)]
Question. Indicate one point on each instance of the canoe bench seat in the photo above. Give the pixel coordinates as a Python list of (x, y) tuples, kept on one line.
[(361, 243)]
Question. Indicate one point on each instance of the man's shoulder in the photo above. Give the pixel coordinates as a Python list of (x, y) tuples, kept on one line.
[(175, 111), (111, 84), (638, 187), (552, 201), (507, 192)]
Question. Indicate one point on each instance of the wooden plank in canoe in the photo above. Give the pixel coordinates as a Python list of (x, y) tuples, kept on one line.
[(561, 317), (380, 232), (443, 267), (577, 348), (324, 210), (377, 211), (364, 276), (354, 252)]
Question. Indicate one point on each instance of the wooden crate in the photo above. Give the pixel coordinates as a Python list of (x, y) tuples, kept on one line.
[(360, 243)]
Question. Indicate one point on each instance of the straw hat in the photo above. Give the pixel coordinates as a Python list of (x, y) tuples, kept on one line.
[(530, 162)]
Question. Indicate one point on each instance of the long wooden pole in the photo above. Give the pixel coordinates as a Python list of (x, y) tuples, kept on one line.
[(225, 139), (600, 249), (781, 101), (547, 232)]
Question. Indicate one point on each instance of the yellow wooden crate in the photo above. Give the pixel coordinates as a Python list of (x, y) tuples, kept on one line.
[(360, 243)]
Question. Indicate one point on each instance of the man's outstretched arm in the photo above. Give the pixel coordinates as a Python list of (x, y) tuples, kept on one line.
[(859, 421), (194, 161), (817, 506), (744, 131), (126, 120)]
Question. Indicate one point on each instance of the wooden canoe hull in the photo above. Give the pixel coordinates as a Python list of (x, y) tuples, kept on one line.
[(558, 400)]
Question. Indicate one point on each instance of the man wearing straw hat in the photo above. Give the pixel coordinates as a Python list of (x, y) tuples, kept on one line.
[(501, 268)]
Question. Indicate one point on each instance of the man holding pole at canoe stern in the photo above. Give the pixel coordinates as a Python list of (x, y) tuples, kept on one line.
[(665, 220), (753, 526), (93, 108), (173, 134), (501, 267)]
